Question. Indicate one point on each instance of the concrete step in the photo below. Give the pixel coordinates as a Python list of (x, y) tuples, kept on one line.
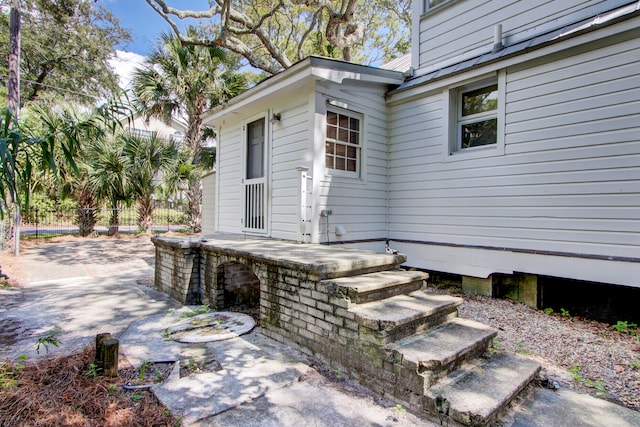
[(436, 353), (394, 318), (476, 394), (376, 286)]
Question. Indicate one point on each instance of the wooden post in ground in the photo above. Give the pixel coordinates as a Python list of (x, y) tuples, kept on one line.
[(99, 359), (110, 348)]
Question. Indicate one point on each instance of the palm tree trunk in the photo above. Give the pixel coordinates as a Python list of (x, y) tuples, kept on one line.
[(194, 204), (86, 212), (145, 215), (114, 220)]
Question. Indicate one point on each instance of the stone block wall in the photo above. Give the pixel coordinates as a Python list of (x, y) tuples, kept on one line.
[(177, 271), (296, 307)]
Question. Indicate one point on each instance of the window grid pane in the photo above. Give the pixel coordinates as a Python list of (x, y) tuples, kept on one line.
[(476, 117), (343, 140), (480, 100), (479, 133)]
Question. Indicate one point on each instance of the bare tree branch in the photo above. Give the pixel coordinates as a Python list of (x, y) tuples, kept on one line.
[(273, 34), (309, 30)]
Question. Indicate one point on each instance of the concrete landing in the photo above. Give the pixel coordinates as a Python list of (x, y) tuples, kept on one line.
[(564, 407), (314, 403), (324, 261), (248, 372)]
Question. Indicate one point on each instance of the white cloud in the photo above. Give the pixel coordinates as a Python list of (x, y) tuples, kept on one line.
[(124, 63)]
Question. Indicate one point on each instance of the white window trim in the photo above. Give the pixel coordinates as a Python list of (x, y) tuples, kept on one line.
[(452, 99), (358, 174), (430, 9)]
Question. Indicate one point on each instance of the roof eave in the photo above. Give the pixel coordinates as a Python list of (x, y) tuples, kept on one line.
[(312, 68)]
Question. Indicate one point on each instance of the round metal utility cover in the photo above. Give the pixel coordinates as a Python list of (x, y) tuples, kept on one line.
[(213, 326)]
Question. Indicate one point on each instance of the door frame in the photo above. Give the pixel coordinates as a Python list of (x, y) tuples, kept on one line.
[(266, 178)]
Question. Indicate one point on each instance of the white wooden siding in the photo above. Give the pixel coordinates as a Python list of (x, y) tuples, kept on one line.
[(209, 204), (229, 154), (358, 204), (569, 181), (291, 148), (466, 27)]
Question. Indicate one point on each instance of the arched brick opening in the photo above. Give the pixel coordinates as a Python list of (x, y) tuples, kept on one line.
[(241, 288)]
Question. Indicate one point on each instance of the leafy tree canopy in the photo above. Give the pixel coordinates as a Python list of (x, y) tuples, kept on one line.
[(272, 35), (65, 48)]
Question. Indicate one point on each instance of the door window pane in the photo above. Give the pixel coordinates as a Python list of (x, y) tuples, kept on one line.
[(255, 149)]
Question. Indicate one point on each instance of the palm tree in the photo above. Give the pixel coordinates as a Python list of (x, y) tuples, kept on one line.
[(184, 81), (147, 159), (107, 169)]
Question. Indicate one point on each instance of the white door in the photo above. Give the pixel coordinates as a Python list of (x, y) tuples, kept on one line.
[(255, 181)]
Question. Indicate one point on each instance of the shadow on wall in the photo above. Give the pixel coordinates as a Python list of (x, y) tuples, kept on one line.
[(241, 286)]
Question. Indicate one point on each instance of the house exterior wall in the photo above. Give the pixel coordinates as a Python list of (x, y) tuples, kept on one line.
[(460, 29), (209, 204), (289, 145), (358, 203), (292, 143), (229, 157), (562, 198)]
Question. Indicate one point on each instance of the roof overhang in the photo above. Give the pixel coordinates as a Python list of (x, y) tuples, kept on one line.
[(302, 74)]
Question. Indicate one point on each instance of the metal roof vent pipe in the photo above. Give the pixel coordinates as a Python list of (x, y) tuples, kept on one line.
[(497, 38)]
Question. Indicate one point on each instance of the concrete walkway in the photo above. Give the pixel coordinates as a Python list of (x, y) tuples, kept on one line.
[(87, 286)]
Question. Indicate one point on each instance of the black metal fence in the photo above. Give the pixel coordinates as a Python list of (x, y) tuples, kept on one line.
[(43, 223)]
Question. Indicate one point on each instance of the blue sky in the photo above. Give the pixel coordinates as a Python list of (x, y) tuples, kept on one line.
[(145, 24)]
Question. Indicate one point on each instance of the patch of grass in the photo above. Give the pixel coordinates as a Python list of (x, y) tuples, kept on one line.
[(93, 370), (625, 327), (203, 309), (51, 338), (597, 385), (9, 373), (576, 373), (143, 369), (548, 310), (564, 313), (522, 350)]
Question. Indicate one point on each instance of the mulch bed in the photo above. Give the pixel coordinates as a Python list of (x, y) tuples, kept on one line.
[(64, 391)]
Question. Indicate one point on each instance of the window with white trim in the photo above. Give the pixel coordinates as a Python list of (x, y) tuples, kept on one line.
[(477, 116), (476, 111), (342, 144), (430, 4)]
